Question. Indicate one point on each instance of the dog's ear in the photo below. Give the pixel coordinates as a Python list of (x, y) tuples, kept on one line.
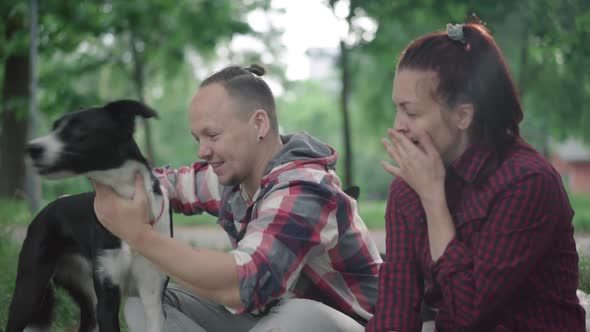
[(128, 109)]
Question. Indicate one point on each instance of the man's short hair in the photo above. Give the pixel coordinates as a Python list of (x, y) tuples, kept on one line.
[(247, 87)]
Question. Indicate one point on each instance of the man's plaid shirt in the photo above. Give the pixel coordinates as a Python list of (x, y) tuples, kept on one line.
[(301, 236), (512, 265)]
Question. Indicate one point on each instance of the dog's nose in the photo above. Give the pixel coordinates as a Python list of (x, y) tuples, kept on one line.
[(35, 150)]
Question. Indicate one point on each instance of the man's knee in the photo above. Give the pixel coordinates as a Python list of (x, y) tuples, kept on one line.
[(306, 315), (171, 297), (176, 321)]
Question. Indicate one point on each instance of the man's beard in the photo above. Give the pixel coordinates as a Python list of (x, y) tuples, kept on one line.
[(233, 180)]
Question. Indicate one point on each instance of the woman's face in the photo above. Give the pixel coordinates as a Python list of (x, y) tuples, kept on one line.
[(419, 113)]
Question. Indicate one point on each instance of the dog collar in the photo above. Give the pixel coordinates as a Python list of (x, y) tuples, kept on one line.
[(154, 221)]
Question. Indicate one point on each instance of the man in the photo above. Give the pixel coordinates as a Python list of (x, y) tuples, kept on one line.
[(302, 258)]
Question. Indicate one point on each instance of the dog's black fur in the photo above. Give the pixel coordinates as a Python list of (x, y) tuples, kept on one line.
[(67, 246)]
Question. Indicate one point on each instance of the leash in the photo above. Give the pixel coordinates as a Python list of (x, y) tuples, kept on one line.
[(153, 222)]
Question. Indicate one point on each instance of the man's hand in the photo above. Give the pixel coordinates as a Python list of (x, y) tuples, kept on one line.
[(127, 219)]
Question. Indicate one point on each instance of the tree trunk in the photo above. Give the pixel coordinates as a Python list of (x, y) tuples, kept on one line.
[(32, 179), (139, 81), (13, 133), (344, 107), (13, 114)]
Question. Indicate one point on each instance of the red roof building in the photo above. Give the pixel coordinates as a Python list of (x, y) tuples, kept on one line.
[(571, 158)]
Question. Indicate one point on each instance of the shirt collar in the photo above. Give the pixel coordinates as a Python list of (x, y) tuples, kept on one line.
[(470, 164)]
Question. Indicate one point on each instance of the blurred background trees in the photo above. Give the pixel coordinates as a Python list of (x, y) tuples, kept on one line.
[(157, 51)]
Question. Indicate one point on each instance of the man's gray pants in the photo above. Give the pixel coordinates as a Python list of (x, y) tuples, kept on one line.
[(186, 312)]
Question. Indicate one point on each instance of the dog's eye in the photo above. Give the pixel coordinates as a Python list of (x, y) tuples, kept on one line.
[(76, 132), (55, 125)]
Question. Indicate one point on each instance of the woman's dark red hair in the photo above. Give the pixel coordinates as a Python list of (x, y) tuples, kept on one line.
[(472, 71)]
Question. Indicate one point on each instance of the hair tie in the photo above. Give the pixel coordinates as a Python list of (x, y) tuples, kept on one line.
[(455, 32), (256, 70)]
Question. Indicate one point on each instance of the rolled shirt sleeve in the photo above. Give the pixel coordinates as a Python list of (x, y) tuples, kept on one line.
[(191, 189)]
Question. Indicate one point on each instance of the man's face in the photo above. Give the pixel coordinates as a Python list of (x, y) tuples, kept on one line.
[(227, 140), (418, 112)]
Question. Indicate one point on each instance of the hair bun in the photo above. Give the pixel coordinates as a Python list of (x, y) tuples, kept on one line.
[(256, 69), (474, 19)]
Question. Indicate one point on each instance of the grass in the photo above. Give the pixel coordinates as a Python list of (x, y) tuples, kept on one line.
[(372, 212), (581, 205), (584, 270), (13, 212), (67, 311), (8, 260), (196, 220)]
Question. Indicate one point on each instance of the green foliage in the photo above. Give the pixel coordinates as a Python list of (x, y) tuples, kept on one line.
[(558, 66), (316, 113), (93, 52), (90, 53), (545, 43), (313, 113), (581, 206), (13, 40), (14, 212), (117, 49)]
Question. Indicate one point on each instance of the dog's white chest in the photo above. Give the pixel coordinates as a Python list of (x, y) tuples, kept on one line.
[(115, 265), (127, 269)]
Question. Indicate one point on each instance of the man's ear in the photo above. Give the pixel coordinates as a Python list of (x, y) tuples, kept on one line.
[(464, 114), (261, 122)]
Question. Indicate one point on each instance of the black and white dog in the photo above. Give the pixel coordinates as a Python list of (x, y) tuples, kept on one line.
[(67, 246)]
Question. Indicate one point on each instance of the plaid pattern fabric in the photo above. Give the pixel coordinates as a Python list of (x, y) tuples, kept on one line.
[(512, 265), (300, 237)]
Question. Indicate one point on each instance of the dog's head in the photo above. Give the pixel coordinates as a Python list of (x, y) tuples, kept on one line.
[(92, 139)]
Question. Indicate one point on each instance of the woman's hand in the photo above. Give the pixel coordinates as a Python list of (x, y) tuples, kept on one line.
[(420, 165), (127, 219)]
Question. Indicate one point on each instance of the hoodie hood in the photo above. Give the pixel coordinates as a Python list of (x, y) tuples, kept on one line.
[(300, 149)]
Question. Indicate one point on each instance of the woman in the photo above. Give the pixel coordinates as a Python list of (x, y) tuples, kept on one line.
[(479, 225)]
